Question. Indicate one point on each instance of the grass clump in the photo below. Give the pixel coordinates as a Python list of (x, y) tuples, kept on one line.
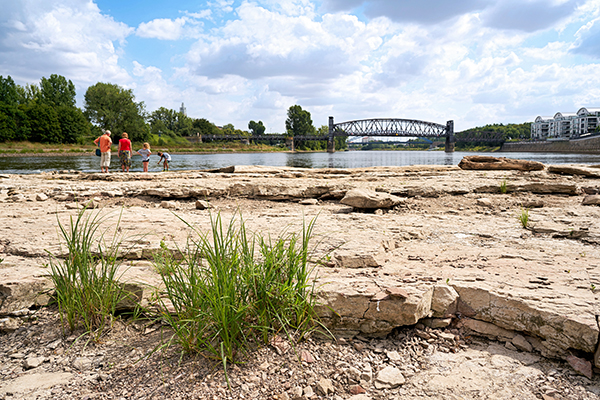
[(86, 281), (503, 186), (232, 288), (523, 217)]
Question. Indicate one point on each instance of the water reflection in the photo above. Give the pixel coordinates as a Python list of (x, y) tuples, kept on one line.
[(348, 159)]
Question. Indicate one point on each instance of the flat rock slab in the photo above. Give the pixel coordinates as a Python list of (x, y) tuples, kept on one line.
[(538, 283), (26, 386)]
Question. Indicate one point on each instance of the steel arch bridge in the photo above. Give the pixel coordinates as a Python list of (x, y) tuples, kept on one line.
[(391, 127)]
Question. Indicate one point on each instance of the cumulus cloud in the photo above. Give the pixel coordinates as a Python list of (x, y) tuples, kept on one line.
[(588, 39), (72, 38), (162, 28), (529, 15)]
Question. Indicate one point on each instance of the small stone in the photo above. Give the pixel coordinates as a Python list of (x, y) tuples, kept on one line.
[(394, 355), (397, 292), (41, 197), (82, 363), (73, 206), (308, 392), (510, 346), (32, 362), (360, 397), (325, 387), (389, 378), (309, 202), (306, 356), (484, 202), (357, 389), (522, 344), (580, 365), (202, 205), (170, 205), (9, 324)]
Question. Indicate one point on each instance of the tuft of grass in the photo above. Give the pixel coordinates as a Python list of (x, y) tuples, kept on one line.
[(86, 281), (232, 288), (524, 217), (503, 186)]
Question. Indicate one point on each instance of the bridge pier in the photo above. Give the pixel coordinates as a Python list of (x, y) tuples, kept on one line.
[(331, 138), (450, 139), (289, 142)]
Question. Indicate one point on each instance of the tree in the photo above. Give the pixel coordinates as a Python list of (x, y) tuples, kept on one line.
[(298, 122), (256, 128), (8, 91), (57, 91), (73, 124), (229, 129), (205, 127), (111, 107), (43, 123), (162, 122), (28, 94)]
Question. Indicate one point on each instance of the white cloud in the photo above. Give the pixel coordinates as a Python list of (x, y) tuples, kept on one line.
[(162, 28)]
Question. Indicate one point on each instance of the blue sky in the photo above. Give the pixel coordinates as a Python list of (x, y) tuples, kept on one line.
[(231, 61)]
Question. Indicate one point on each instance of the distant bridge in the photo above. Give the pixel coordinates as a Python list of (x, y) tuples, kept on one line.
[(383, 127), (391, 127)]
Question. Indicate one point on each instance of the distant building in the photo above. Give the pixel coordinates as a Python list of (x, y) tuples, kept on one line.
[(564, 126), (183, 110)]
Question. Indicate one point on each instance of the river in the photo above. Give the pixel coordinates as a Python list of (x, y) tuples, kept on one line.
[(347, 159)]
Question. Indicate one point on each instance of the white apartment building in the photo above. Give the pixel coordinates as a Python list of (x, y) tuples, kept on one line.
[(565, 126)]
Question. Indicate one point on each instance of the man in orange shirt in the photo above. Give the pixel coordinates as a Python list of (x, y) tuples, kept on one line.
[(105, 143)]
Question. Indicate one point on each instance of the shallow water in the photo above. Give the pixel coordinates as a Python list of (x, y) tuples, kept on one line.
[(347, 159)]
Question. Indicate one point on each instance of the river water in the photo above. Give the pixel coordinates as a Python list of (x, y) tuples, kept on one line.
[(347, 159)]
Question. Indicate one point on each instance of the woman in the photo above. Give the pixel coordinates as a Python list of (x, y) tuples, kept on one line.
[(125, 152)]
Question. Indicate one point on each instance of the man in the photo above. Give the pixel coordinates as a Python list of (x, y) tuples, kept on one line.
[(105, 143)]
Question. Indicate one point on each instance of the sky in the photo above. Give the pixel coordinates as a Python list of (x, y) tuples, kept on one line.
[(471, 61)]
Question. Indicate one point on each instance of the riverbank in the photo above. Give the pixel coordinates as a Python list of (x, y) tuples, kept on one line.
[(407, 288)]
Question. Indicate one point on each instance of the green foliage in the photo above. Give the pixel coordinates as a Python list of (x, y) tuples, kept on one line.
[(73, 124), (43, 123), (205, 127), (503, 186), (509, 132), (164, 121), (232, 287), (8, 91), (256, 128), (298, 122), (57, 91), (111, 107), (87, 279), (28, 94), (523, 217)]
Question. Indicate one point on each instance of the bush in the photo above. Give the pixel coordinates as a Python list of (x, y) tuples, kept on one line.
[(231, 287)]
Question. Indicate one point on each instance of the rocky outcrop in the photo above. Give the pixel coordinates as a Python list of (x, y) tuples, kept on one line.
[(368, 199), (574, 170), (498, 163)]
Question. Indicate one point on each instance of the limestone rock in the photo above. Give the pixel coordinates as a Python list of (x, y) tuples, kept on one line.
[(521, 343), (444, 300), (347, 309), (202, 205), (580, 365), (498, 163), (597, 357), (309, 202), (591, 200), (487, 329), (566, 169), (41, 197), (559, 330), (171, 205), (325, 387), (24, 293), (484, 202), (82, 363), (435, 323), (369, 199), (9, 324), (389, 378), (33, 362)]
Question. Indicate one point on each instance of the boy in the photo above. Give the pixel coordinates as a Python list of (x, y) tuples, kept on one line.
[(166, 158)]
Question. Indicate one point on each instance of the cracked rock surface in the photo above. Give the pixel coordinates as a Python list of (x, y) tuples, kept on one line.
[(441, 258)]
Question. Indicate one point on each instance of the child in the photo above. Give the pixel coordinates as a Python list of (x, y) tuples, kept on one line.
[(166, 157), (145, 153)]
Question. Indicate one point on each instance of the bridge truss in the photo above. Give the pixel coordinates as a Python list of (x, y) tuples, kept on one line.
[(390, 127)]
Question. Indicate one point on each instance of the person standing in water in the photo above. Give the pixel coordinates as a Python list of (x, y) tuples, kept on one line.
[(166, 158), (104, 142), (145, 153), (125, 152)]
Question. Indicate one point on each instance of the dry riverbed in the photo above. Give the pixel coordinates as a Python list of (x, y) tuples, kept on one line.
[(437, 291)]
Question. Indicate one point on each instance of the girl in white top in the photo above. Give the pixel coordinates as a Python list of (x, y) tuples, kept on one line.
[(145, 153)]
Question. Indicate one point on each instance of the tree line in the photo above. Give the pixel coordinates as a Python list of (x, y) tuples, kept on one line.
[(508, 132), (47, 113)]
